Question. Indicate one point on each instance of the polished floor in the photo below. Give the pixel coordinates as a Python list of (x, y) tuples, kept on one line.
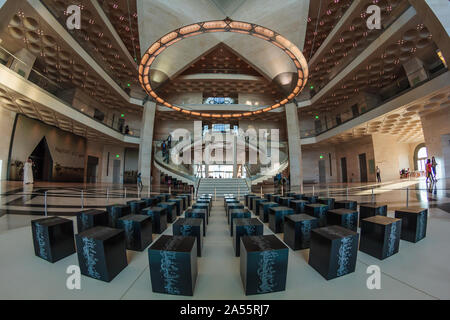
[(418, 271)]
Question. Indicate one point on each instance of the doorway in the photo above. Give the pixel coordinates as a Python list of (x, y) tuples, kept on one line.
[(42, 162), (116, 171), (344, 169), (322, 172), (91, 170), (363, 167)]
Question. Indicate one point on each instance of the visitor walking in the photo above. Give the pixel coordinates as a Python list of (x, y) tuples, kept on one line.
[(139, 182), (429, 171), (28, 172), (378, 175), (169, 141), (433, 167), (164, 151)]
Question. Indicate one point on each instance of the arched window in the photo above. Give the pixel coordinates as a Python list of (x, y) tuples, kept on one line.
[(422, 156)]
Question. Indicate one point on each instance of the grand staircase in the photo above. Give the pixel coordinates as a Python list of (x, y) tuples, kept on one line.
[(219, 187)]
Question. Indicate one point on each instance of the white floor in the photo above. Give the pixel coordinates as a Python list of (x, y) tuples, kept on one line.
[(418, 271)]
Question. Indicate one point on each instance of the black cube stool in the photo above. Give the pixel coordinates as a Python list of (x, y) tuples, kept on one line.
[(380, 236), (310, 199), (149, 202), (346, 204), (372, 209), (277, 216), (250, 201), (204, 206), (276, 198), (198, 214), (319, 211), (138, 231), (333, 251), (229, 199), (264, 262), (192, 227), (238, 214), (166, 196), (245, 227), (291, 194), (185, 202), (414, 223), (233, 206), (205, 200), (101, 252), (256, 205), (173, 265), (246, 199), (53, 238), (159, 218), (298, 196), (161, 198), (343, 217), (171, 212), (115, 212), (188, 197), (328, 201), (91, 218), (267, 196), (298, 205), (178, 205), (136, 206), (297, 230), (286, 201), (264, 208)]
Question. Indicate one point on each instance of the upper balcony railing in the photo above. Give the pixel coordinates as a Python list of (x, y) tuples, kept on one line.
[(348, 114), (54, 89)]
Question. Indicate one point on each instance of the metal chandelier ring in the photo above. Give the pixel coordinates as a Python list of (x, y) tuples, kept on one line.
[(226, 25)]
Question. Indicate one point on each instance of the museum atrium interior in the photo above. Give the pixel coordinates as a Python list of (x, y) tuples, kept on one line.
[(294, 144)]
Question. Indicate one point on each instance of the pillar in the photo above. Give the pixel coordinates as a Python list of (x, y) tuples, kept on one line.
[(146, 144), (235, 164), (295, 150)]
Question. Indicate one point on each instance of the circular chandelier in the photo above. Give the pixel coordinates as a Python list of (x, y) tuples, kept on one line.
[(226, 25)]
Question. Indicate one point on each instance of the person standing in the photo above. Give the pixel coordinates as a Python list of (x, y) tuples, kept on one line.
[(378, 175), (28, 172), (139, 182), (433, 167), (429, 169), (169, 141)]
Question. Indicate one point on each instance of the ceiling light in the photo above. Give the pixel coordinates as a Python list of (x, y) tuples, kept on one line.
[(226, 25)]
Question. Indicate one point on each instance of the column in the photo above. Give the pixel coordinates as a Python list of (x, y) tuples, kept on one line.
[(235, 164), (295, 150), (145, 148)]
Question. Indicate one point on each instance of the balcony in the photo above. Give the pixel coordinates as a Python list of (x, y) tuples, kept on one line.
[(55, 92)]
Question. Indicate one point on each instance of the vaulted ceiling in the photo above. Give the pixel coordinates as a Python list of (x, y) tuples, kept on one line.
[(158, 17), (221, 60)]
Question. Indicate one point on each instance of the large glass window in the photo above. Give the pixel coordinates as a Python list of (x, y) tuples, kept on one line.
[(218, 100), (422, 156), (220, 127)]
